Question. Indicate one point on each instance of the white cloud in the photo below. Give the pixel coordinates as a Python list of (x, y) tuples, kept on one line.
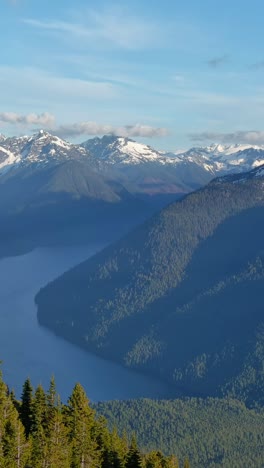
[(48, 121), (253, 137), (93, 128), (44, 119), (110, 27)]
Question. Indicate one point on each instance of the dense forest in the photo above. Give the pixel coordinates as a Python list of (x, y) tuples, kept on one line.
[(39, 431), (180, 297), (212, 432)]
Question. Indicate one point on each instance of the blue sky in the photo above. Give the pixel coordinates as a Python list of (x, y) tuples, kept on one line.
[(173, 74)]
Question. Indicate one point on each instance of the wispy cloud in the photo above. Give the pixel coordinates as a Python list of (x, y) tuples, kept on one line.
[(254, 137), (94, 128), (257, 65), (40, 82), (105, 28), (216, 62), (45, 119)]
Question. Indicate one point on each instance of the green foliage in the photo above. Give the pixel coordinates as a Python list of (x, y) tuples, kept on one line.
[(211, 432), (80, 421), (14, 448), (64, 436), (26, 406), (39, 453), (133, 458)]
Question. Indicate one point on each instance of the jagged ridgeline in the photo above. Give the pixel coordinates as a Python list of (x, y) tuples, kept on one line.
[(39, 431), (53, 192), (181, 296)]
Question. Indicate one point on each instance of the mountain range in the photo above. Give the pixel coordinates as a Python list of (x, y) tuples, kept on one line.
[(140, 167), (181, 296), (163, 176), (52, 191)]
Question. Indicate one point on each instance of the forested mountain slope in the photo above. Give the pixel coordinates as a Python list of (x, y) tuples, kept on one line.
[(181, 296), (212, 432)]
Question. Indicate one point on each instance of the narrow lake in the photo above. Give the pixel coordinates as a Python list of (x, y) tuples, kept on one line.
[(28, 350)]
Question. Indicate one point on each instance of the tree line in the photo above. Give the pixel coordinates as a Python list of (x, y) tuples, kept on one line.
[(39, 431)]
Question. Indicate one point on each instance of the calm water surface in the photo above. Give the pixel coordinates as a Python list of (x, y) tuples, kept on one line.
[(28, 350)]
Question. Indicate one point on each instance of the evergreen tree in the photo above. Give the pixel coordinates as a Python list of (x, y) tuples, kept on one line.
[(3, 416), (80, 420), (51, 403), (64, 436), (134, 459), (102, 436), (110, 445), (39, 439), (26, 406), (186, 463), (57, 438), (155, 459), (52, 394), (172, 462), (15, 402), (120, 448), (15, 446)]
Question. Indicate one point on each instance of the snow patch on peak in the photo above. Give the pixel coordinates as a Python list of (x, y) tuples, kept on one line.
[(2, 137), (135, 149), (49, 138), (40, 148), (258, 162), (216, 149), (122, 140), (121, 151), (7, 159)]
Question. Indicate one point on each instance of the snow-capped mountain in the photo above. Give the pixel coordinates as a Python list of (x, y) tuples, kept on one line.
[(155, 171), (139, 167), (120, 151), (228, 158), (48, 183), (40, 148), (242, 177), (148, 170), (123, 152)]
